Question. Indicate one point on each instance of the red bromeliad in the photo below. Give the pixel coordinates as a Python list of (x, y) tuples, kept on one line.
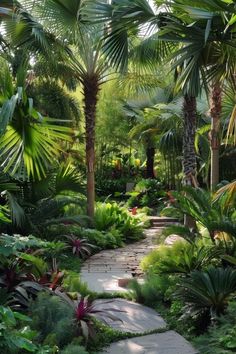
[(85, 310), (80, 247)]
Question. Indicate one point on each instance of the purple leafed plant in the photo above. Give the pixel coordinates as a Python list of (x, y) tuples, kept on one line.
[(80, 247), (85, 311)]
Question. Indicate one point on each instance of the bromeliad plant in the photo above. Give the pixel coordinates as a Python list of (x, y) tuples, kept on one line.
[(53, 277), (84, 313), (22, 272), (80, 246)]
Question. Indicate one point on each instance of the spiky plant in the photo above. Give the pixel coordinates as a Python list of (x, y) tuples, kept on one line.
[(210, 213), (80, 246), (85, 311), (208, 290)]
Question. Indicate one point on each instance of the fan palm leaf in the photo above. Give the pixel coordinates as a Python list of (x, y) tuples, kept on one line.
[(28, 141)]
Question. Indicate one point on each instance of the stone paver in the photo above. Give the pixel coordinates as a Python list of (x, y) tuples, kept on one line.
[(102, 271), (133, 317), (168, 342), (171, 239)]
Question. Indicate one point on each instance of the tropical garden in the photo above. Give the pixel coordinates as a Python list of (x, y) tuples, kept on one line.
[(111, 113)]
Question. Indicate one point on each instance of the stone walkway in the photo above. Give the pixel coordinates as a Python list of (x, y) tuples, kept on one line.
[(168, 342), (102, 271)]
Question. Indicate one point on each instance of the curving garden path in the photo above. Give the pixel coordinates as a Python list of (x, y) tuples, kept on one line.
[(102, 271)]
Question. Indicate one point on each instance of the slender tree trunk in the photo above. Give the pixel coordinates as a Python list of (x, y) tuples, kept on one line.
[(150, 152), (216, 105), (189, 155), (91, 88)]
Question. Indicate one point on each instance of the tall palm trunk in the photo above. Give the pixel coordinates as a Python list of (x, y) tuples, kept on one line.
[(189, 155), (150, 153), (91, 88), (216, 105)]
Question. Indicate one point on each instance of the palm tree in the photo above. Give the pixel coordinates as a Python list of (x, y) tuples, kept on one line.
[(213, 58), (144, 130), (154, 124), (196, 28), (85, 61), (132, 15)]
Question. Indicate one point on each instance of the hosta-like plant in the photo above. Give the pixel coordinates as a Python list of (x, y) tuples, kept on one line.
[(208, 291), (15, 338)]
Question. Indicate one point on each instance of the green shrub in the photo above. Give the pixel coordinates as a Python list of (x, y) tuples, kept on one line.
[(53, 319), (73, 349), (69, 262), (147, 192), (221, 337), (212, 213), (110, 216), (73, 284), (151, 291), (208, 291), (181, 257), (15, 335), (103, 239), (106, 215), (146, 210), (106, 186), (172, 212), (133, 200)]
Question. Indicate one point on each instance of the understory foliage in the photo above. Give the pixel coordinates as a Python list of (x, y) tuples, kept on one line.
[(148, 193), (208, 290), (181, 258), (16, 335), (220, 337), (110, 216)]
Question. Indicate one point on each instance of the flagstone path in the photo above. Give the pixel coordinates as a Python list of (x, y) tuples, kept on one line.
[(102, 271)]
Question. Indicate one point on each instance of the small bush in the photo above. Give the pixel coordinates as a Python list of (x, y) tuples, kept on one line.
[(151, 291), (73, 284), (73, 349), (208, 291), (220, 338), (147, 193), (110, 216), (53, 319), (104, 240), (181, 257)]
